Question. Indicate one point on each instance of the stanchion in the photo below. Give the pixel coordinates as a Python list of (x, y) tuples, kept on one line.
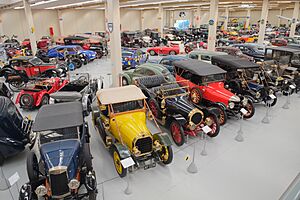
[(206, 130), (128, 189), (286, 104), (192, 168), (239, 137), (128, 164), (266, 119)]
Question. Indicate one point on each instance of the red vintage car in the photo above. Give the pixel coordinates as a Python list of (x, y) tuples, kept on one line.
[(206, 83), (39, 94), (279, 42), (164, 50)]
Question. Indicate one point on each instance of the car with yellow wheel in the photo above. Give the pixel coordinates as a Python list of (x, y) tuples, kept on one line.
[(120, 119)]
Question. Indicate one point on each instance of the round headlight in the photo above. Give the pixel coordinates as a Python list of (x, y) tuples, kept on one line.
[(257, 95), (41, 191), (245, 101), (231, 105), (271, 92), (192, 126), (74, 184), (285, 81)]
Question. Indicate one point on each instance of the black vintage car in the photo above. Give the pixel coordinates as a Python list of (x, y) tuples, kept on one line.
[(61, 161), (132, 39), (170, 105), (242, 79), (14, 129)]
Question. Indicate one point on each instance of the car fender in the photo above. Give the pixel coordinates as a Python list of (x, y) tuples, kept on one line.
[(128, 78), (179, 118), (39, 97), (219, 105), (84, 102), (250, 98), (123, 150), (163, 138)]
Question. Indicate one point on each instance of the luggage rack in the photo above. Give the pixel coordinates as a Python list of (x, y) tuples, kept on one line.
[(165, 91)]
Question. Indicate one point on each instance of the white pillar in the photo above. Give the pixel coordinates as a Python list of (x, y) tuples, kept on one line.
[(1, 25), (142, 25), (192, 18), (225, 26), (60, 22), (113, 26), (171, 18), (295, 18), (263, 21), (279, 18), (198, 17), (31, 28), (161, 19), (248, 19), (212, 29)]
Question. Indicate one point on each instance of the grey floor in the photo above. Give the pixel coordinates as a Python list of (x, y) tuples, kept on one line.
[(260, 168)]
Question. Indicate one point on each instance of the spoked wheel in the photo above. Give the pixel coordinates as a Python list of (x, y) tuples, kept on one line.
[(166, 155), (152, 53), (32, 167), (45, 100), (213, 124), (222, 117), (153, 105), (250, 110), (196, 95), (26, 101), (187, 50), (177, 133), (118, 165), (172, 53)]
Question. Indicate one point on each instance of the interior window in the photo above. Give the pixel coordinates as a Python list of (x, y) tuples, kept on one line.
[(205, 57), (165, 62), (194, 56), (186, 75), (196, 79)]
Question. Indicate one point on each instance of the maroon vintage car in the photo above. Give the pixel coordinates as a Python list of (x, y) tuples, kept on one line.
[(234, 52)]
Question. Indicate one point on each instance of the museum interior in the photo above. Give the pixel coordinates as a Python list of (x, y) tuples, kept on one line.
[(149, 99)]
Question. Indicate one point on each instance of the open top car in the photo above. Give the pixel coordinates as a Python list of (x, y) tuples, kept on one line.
[(60, 162), (164, 50), (170, 105), (14, 130), (120, 118), (206, 84), (242, 78)]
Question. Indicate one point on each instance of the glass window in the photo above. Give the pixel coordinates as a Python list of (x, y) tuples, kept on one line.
[(194, 56), (187, 75), (205, 57), (196, 79), (128, 106), (165, 62), (59, 134)]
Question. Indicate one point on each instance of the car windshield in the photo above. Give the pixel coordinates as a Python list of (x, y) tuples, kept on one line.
[(36, 61), (128, 106), (213, 78), (59, 134), (295, 59), (127, 54)]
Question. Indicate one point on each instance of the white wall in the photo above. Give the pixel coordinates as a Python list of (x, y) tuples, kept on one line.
[(78, 21)]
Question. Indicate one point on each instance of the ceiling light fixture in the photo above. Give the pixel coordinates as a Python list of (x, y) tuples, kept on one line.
[(74, 4), (42, 2)]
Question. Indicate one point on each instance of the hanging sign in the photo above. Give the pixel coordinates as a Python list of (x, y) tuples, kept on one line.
[(110, 27)]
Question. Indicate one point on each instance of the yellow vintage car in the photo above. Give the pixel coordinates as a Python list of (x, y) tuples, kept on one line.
[(120, 119)]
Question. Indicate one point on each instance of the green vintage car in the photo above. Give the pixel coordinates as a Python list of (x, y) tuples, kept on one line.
[(146, 69)]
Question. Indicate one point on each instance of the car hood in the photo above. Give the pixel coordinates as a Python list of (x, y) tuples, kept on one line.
[(87, 52), (217, 93), (60, 153)]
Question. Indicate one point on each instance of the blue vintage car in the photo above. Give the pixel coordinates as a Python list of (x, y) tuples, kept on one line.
[(60, 51), (132, 57), (61, 162)]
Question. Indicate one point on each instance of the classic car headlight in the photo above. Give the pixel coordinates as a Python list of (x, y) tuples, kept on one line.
[(257, 95), (136, 151), (271, 92), (208, 121), (195, 116), (157, 145), (231, 105), (235, 99), (192, 126), (41, 191), (74, 184), (245, 101), (285, 81)]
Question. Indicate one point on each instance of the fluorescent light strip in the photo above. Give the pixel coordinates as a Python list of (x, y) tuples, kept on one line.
[(74, 4), (42, 3)]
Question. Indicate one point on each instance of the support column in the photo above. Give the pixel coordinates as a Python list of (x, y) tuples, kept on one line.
[(279, 18), (172, 18), (248, 19), (60, 22), (295, 18), (161, 19), (212, 29), (113, 26), (142, 25), (263, 21), (1, 25), (192, 18), (30, 25), (225, 26), (198, 17)]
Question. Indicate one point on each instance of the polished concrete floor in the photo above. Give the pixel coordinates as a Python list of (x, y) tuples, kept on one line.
[(260, 168)]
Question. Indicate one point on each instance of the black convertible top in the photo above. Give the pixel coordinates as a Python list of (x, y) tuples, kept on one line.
[(291, 49), (233, 62), (198, 67), (57, 116), (75, 38)]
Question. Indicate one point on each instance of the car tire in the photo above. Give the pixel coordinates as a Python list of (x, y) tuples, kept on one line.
[(251, 110), (166, 155), (155, 109), (77, 63), (125, 81), (172, 53), (187, 50), (222, 118), (196, 95), (88, 157), (215, 126), (2, 158), (26, 101), (32, 167), (118, 165), (177, 133), (45, 100), (92, 195), (152, 53)]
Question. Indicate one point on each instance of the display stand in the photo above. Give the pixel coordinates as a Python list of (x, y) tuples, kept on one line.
[(287, 102), (192, 168), (128, 163), (206, 130), (239, 137), (266, 119)]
